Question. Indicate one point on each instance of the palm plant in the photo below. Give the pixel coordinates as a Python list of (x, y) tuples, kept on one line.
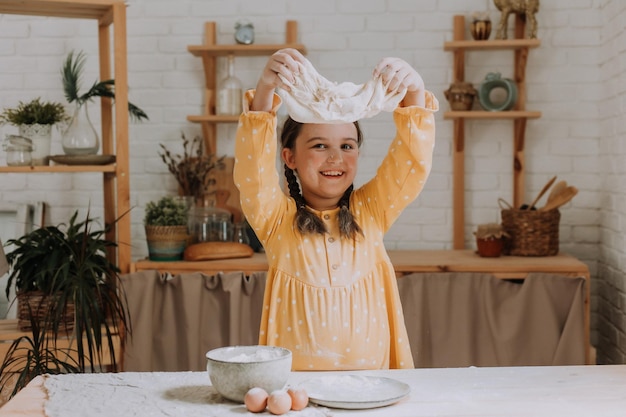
[(28, 357), (69, 263), (72, 71)]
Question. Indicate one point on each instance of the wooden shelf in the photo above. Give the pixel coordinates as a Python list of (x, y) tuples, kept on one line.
[(212, 118), (491, 45), (513, 114), (519, 115), (79, 9), (241, 50), (59, 168), (209, 51), (110, 29)]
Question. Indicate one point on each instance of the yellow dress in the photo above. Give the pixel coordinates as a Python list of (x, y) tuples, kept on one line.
[(333, 301)]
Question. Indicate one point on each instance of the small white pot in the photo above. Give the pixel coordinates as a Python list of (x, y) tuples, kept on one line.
[(41, 135)]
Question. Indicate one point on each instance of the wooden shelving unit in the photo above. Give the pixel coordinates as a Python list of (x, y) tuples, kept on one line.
[(209, 52), (110, 16), (519, 115)]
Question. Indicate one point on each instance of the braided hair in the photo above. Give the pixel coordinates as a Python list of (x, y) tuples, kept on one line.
[(306, 221)]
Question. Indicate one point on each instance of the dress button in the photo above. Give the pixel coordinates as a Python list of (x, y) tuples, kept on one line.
[(326, 216), (335, 266), (331, 239)]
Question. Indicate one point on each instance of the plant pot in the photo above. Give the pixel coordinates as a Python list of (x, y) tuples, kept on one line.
[(41, 307), (41, 136), (490, 247), (166, 243)]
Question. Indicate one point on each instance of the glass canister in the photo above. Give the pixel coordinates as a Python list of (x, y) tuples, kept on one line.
[(19, 150), (210, 224)]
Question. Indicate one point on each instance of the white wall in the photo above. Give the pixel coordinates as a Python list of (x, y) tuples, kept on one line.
[(576, 79), (609, 294)]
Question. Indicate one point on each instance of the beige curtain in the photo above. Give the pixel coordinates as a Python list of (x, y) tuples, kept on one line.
[(176, 319), (453, 319), (465, 319)]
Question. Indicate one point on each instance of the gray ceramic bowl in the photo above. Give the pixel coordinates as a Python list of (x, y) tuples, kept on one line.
[(235, 369)]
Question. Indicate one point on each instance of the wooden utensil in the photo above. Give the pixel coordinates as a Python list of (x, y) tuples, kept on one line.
[(542, 192), (556, 190), (563, 197)]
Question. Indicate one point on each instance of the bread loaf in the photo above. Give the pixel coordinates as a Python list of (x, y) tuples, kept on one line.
[(206, 251)]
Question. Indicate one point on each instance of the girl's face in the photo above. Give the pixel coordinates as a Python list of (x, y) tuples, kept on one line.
[(325, 157)]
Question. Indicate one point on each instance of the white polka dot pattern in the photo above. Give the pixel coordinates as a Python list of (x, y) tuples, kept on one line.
[(338, 289)]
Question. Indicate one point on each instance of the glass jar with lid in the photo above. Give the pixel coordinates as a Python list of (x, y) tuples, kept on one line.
[(19, 150), (210, 224)]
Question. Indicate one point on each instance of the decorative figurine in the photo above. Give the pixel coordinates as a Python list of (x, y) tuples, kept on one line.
[(480, 27), (528, 8), (244, 32), (492, 81), (460, 95)]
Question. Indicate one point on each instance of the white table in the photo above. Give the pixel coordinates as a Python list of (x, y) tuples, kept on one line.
[(568, 391)]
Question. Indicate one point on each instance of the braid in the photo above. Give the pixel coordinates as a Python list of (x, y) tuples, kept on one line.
[(306, 221), (348, 227)]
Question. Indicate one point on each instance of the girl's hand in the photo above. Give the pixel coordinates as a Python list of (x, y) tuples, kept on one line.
[(283, 62), (397, 74)]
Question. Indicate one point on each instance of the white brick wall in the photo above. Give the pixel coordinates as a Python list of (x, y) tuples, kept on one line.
[(576, 79), (609, 291)]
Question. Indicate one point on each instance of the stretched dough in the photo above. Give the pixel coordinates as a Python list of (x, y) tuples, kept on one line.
[(314, 99)]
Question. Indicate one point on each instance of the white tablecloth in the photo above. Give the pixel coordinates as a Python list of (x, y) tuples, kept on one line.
[(550, 391)]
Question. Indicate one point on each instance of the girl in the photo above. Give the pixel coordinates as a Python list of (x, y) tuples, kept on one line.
[(331, 295)]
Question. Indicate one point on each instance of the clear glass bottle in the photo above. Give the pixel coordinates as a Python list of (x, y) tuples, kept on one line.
[(229, 92)]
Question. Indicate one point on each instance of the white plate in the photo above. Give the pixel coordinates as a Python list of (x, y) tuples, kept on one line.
[(355, 391)]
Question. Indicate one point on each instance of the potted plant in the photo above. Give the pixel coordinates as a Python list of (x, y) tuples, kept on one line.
[(80, 137), (165, 223), (490, 239), (34, 120), (193, 169), (67, 269)]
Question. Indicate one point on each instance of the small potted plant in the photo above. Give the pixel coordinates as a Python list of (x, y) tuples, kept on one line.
[(165, 223), (34, 120), (490, 239)]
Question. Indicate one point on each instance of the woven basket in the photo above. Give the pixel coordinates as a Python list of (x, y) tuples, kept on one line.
[(531, 232), (166, 243), (40, 305)]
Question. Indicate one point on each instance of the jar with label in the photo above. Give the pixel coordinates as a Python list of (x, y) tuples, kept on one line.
[(229, 92), (19, 150)]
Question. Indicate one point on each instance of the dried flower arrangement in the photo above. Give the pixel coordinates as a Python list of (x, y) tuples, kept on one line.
[(193, 168)]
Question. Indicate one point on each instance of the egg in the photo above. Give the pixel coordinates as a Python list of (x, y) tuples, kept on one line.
[(255, 399), (279, 402), (299, 398)]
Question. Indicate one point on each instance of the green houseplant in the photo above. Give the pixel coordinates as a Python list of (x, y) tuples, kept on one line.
[(165, 223), (80, 137), (67, 268), (34, 120)]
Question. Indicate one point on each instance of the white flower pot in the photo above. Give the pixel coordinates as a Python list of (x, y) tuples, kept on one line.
[(41, 135)]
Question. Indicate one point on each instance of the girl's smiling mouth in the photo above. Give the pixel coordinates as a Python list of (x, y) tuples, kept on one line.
[(332, 173)]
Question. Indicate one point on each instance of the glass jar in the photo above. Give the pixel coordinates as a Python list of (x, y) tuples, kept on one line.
[(229, 92), (19, 150), (80, 137), (210, 224)]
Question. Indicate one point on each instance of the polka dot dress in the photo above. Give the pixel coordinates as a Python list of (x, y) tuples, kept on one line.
[(333, 301)]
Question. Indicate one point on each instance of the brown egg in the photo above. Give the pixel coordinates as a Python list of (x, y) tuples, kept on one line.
[(279, 402), (255, 400), (299, 398)]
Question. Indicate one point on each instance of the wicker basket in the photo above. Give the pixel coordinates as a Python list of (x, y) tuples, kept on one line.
[(166, 243), (40, 305), (531, 232)]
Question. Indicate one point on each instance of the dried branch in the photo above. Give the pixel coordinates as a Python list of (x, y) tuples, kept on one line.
[(192, 169)]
